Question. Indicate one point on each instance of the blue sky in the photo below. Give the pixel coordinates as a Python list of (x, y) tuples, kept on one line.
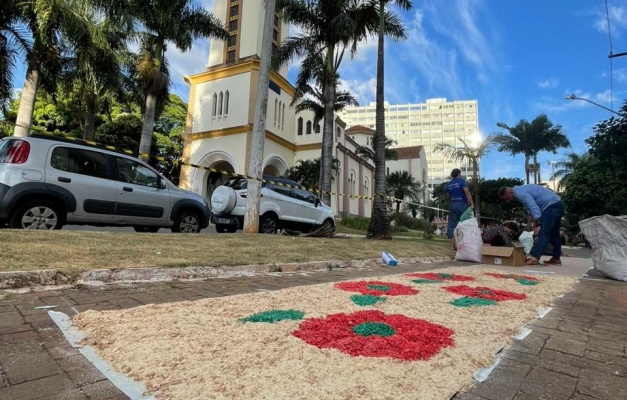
[(517, 58)]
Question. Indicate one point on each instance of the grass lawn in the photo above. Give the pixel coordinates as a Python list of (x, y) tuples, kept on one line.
[(73, 252)]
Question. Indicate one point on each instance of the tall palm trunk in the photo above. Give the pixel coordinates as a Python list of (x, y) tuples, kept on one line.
[(477, 196), (149, 123), (90, 117), (536, 170), (27, 102), (527, 167), (326, 158), (380, 220)]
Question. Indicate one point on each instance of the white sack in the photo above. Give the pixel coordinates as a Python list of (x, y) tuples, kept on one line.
[(526, 240), (468, 240), (608, 237)]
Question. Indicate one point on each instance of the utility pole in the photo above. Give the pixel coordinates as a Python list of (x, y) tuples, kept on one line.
[(251, 218)]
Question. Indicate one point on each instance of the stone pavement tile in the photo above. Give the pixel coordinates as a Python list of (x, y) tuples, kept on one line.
[(7, 308), (561, 334), (549, 322), (504, 381), (605, 319), (125, 302), (101, 390), (30, 308), (11, 318), (580, 362), (549, 385), (14, 329), (58, 300), (38, 389), (532, 360), (608, 335), (532, 344), (18, 337), (576, 327), (607, 346), (38, 317), (17, 349), (565, 345), (602, 386), (525, 396), (102, 306), (29, 366), (616, 365), (65, 351), (3, 379), (579, 396), (470, 395), (68, 394), (609, 327)]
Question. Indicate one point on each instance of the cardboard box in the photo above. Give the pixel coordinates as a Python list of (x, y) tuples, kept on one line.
[(509, 256)]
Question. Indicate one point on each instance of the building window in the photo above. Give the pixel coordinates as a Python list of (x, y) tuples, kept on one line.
[(232, 41), (283, 118), (220, 101), (309, 127), (338, 133), (366, 187), (275, 109), (232, 25), (300, 126), (230, 56), (234, 10), (226, 103), (317, 128), (279, 116), (215, 105)]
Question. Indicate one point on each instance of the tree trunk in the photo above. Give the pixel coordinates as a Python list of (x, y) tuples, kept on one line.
[(380, 220), (477, 196), (537, 169), (149, 123), (251, 219), (326, 157), (90, 117), (27, 101)]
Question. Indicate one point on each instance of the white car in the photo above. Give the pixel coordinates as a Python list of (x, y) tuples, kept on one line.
[(281, 207)]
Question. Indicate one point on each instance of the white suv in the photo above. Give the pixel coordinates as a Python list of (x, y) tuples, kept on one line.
[(46, 182), (281, 207)]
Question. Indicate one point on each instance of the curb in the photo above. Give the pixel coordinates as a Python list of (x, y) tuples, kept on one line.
[(51, 277)]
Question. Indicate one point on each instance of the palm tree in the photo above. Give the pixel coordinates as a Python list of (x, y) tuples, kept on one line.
[(402, 185), (13, 45), (328, 28), (472, 153), (307, 172), (380, 222), (50, 22), (310, 97), (565, 168), (529, 138), (367, 152), (163, 22)]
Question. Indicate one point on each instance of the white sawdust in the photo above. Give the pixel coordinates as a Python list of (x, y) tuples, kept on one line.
[(200, 350)]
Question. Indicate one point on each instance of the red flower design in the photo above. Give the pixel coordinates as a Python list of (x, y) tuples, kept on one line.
[(401, 337), (482, 292), (512, 276), (433, 276), (377, 288)]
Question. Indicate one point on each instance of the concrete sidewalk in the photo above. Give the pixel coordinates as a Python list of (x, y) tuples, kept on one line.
[(578, 351)]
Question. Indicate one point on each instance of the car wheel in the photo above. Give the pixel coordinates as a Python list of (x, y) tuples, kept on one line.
[(38, 214), (223, 200), (268, 224), (328, 226), (148, 229), (187, 222)]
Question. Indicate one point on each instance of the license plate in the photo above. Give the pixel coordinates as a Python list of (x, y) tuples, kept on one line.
[(224, 221)]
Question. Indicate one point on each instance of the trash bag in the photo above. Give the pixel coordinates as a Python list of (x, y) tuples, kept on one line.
[(608, 237), (467, 214), (526, 240), (468, 239)]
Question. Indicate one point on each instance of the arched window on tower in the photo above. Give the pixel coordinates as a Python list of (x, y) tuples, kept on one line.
[(214, 106), (220, 100), (275, 110), (338, 133), (278, 121), (309, 127), (226, 103), (283, 117), (317, 128), (300, 126)]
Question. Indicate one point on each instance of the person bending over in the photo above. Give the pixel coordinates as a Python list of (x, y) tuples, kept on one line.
[(547, 209)]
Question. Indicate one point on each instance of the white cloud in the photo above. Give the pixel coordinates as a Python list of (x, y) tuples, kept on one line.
[(550, 83), (620, 75), (191, 62), (364, 91), (617, 18)]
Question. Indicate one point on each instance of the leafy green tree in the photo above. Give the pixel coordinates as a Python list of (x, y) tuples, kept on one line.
[(58, 113), (493, 207), (565, 168), (162, 22), (530, 138), (389, 24), (473, 153), (597, 184), (402, 186), (307, 172)]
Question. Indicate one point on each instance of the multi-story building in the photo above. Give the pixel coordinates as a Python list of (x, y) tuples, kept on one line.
[(425, 124)]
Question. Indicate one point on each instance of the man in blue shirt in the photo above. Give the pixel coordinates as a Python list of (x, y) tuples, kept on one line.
[(547, 210)]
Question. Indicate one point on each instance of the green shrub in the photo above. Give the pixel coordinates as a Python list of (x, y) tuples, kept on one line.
[(406, 220), (360, 223)]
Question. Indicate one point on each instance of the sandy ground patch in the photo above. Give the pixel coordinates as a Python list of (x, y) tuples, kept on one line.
[(202, 349)]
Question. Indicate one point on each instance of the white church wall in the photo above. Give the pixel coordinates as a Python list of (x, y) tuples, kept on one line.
[(238, 105)]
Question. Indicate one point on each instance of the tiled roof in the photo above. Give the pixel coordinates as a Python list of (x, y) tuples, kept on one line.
[(359, 129), (405, 153)]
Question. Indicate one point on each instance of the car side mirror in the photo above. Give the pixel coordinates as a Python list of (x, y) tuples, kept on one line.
[(161, 183)]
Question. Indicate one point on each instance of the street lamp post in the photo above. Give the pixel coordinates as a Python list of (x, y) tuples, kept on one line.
[(573, 97), (553, 173)]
